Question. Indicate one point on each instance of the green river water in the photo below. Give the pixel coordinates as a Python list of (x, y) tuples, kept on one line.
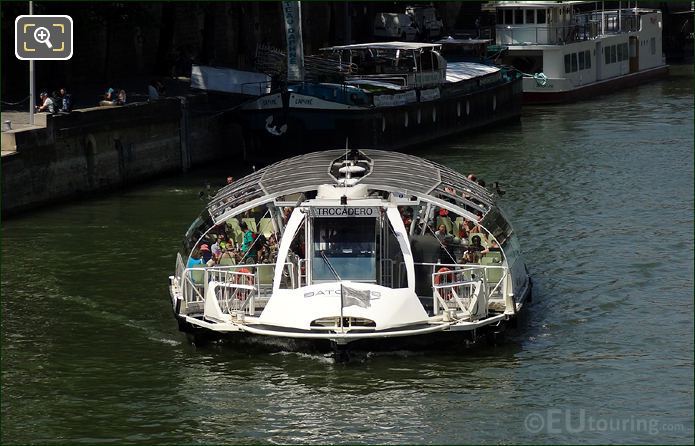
[(601, 195)]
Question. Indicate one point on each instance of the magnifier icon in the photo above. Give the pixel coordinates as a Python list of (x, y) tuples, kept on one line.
[(41, 35)]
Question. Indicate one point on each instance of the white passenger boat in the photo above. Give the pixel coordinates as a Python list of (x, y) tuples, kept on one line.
[(358, 263), (568, 52)]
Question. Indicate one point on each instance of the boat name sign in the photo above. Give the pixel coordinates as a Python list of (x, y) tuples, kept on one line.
[(392, 100), (344, 211)]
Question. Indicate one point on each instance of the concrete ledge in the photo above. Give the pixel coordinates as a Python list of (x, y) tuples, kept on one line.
[(106, 148)]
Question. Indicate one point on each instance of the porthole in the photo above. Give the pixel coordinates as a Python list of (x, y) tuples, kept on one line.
[(383, 124), (419, 116), (494, 103), (406, 119), (468, 108), (434, 114), (458, 109)]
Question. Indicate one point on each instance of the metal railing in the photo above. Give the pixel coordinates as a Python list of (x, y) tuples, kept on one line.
[(460, 289), (586, 26), (459, 281), (239, 287)]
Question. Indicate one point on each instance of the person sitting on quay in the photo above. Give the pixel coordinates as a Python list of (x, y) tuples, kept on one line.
[(155, 90), (48, 104), (111, 97), (65, 103)]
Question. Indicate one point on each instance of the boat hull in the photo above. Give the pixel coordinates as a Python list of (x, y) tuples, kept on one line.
[(437, 341), (596, 88), (386, 128), (445, 340)]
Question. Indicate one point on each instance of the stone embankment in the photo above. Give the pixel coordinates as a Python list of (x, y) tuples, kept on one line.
[(106, 148)]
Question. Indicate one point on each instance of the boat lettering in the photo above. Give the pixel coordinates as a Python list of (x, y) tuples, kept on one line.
[(344, 211), (269, 101), (374, 294), (300, 101)]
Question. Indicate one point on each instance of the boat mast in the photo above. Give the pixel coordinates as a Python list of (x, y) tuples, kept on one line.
[(295, 49)]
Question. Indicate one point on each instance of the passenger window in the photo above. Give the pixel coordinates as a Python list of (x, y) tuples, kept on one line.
[(567, 63), (518, 16), (530, 16), (540, 16), (607, 54), (613, 54), (508, 16), (587, 58), (574, 62), (581, 60)]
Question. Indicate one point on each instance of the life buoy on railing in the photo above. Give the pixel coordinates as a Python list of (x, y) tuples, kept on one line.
[(242, 279), (444, 278)]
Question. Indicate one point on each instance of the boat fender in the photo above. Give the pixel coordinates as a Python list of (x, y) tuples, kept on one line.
[(447, 295)]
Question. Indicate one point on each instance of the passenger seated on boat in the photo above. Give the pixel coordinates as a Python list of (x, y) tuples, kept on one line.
[(463, 231), (216, 247), (227, 257), (273, 247), (195, 260), (469, 227), (468, 257), (476, 248), (477, 229), (441, 233), (286, 213), (206, 254)]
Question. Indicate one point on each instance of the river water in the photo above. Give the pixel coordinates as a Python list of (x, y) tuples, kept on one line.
[(601, 195)]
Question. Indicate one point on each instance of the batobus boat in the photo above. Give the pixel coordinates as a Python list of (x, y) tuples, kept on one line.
[(359, 249)]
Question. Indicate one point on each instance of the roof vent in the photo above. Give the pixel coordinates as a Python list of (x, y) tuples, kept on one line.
[(350, 168)]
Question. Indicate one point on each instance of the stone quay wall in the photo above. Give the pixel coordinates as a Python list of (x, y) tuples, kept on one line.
[(107, 148)]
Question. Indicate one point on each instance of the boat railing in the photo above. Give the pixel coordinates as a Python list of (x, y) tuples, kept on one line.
[(462, 288), (546, 35), (240, 287), (585, 27), (459, 281), (236, 289), (386, 267), (180, 266), (301, 272)]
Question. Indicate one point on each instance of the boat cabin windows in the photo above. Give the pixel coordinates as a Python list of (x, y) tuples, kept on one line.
[(615, 53), (518, 16), (530, 16), (577, 61), (540, 16), (345, 247), (521, 16)]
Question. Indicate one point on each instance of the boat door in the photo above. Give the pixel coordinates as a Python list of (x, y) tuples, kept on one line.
[(598, 58), (634, 54)]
